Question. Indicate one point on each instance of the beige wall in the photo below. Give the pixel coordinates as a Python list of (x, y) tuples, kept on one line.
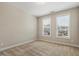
[(16, 26), (74, 30)]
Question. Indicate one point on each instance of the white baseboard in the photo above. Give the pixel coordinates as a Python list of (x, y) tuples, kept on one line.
[(68, 44), (2, 49)]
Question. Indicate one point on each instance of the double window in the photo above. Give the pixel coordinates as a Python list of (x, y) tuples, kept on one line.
[(62, 26)]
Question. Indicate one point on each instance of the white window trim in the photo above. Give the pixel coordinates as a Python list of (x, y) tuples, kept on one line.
[(43, 29), (61, 37)]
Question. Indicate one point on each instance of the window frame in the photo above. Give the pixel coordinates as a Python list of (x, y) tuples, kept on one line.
[(43, 27), (68, 28)]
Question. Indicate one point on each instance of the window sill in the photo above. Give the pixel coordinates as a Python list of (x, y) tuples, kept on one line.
[(60, 37), (46, 35)]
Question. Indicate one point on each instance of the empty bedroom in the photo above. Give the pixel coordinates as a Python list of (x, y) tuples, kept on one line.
[(39, 28)]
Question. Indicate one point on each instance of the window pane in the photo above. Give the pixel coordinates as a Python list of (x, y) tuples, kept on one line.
[(63, 25), (46, 25)]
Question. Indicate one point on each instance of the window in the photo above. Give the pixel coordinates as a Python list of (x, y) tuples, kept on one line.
[(46, 26), (62, 26)]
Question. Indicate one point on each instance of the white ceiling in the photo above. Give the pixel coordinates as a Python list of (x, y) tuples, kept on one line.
[(40, 8)]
